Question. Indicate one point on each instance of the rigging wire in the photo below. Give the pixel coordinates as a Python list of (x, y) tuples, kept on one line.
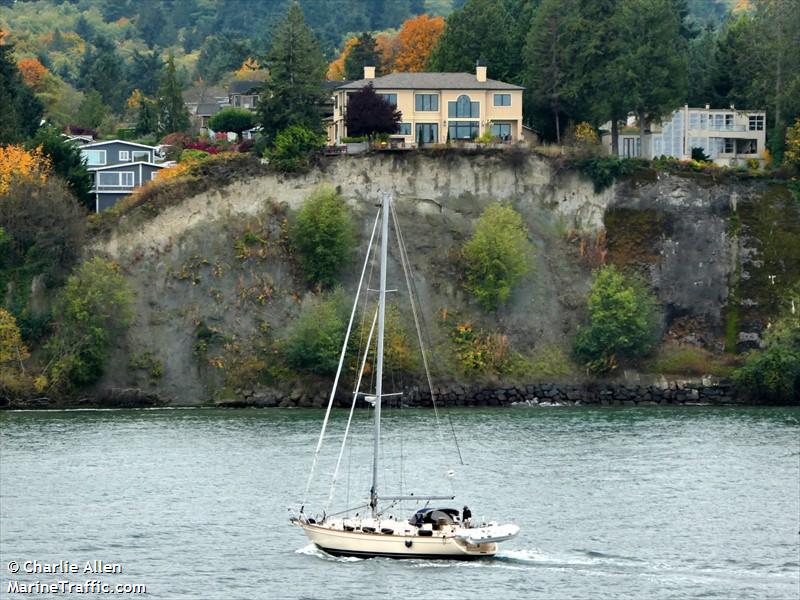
[(339, 370)]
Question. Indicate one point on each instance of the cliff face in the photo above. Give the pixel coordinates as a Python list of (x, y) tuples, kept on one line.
[(716, 255)]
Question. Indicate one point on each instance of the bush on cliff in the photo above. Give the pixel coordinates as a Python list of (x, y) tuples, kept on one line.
[(323, 236), (94, 309), (294, 149), (497, 256), (314, 341), (623, 321), (773, 373)]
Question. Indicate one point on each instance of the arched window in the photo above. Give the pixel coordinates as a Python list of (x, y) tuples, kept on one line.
[(463, 108)]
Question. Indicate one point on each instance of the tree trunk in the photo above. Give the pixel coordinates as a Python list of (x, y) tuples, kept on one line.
[(614, 135), (643, 139), (558, 127)]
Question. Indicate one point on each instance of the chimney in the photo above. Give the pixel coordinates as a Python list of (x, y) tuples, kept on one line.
[(480, 70), (369, 72)]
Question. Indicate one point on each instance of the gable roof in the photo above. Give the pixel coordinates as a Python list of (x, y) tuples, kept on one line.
[(127, 165), (244, 86), (431, 81), (95, 144)]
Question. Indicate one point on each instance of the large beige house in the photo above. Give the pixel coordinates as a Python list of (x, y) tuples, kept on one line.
[(436, 107), (728, 136)]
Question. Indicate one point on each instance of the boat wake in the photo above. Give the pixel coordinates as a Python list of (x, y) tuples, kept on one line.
[(312, 550)]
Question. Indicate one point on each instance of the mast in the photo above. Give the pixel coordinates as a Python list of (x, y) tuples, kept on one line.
[(373, 493)]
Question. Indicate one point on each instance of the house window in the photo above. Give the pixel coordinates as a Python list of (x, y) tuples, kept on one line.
[(405, 129), (728, 122), (501, 130), (94, 158), (631, 147), (694, 120), (237, 100), (718, 122), (703, 121), (729, 145), (141, 156), (390, 98), (502, 99), (463, 108), (462, 130), (124, 179), (124, 155), (756, 123), (427, 133), (426, 102)]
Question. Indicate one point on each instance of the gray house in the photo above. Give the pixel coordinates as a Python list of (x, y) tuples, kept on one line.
[(118, 167)]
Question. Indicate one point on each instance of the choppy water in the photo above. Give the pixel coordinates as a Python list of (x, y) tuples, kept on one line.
[(656, 502)]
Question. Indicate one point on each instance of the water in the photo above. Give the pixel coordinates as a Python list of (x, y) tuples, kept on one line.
[(657, 502)]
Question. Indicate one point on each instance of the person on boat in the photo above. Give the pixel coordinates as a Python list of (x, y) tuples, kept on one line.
[(466, 516)]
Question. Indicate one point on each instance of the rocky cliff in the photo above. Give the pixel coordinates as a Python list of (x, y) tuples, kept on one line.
[(716, 253)]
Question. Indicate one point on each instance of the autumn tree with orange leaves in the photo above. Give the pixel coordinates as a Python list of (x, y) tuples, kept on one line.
[(416, 39), (336, 67), (33, 73)]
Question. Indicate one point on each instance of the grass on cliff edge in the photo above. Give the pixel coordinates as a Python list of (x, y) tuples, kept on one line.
[(175, 184), (680, 359)]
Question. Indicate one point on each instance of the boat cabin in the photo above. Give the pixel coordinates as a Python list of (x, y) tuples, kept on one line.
[(437, 517)]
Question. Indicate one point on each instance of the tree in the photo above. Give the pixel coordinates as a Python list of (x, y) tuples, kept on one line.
[(417, 38), (479, 30), (553, 76), (232, 119), (66, 161), (147, 70), (623, 321), (173, 116), (336, 67), (12, 348), (21, 111), (91, 111), (323, 236), (362, 54), (315, 340), (220, 55), (792, 155), (101, 70), (369, 114), (387, 45), (33, 73), (655, 63), (94, 310), (294, 148), (294, 93), (497, 256), (773, 373)]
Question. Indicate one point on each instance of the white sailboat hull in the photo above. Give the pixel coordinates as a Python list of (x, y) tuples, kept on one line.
[(372, 545)]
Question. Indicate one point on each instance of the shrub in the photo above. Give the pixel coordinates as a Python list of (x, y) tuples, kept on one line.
[(497, 256), (354, 139), (314, 341), (623, 321), (232, 119), (246, 145), (294, 149), (323, 236), (689, 360), (773, 374), (585, 135), (12, 349), (191, 155), (94, 309), (479, 352), (604, 170), (699, 155), (398, 350)]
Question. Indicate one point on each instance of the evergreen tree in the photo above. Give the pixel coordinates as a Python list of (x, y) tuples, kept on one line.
[(146, 116), (67, 161), (361, 55), (173, 116), (655, 63), (294, 92), (101, 69), (146, 69), (20, 109), (221, 55), (479, 30)]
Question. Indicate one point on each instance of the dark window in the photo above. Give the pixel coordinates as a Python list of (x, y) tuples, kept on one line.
[(405, 129), (462, 130), (502, 99), (390, 98), (463, 108), (501, 130), (426, 102), (756, 123), (427, 133)]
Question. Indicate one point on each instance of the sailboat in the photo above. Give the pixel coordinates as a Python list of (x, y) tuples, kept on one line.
[(433, 531)]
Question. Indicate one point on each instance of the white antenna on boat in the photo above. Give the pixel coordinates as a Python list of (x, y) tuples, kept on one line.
[(373, 492)]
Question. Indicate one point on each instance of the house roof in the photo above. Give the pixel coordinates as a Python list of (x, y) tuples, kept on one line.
[(431, 81), (207, 109), (244, 86), (331, 84), (127, 165), (126, 142)]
